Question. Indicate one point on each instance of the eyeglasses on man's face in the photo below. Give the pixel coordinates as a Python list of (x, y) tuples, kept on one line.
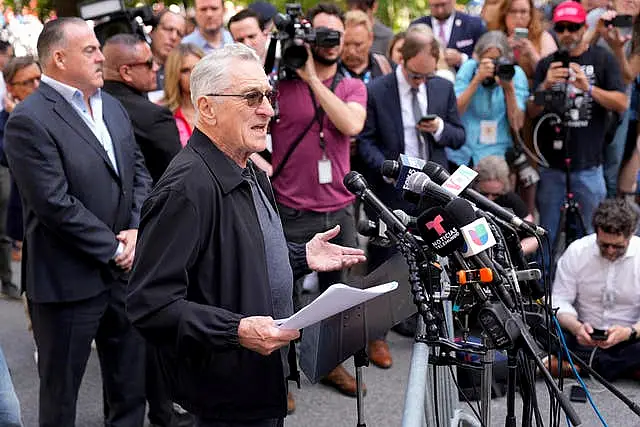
[(561, 27), (148, 63), (26, 82), (253, 99)]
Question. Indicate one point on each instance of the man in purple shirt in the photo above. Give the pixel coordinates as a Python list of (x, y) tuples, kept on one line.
[(307, 176)]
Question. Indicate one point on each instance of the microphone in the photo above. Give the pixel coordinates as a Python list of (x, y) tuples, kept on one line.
[(401, 169), (439, 175), (421, 184), (439, 231), (409, 221), (478, 237), (356, 184)]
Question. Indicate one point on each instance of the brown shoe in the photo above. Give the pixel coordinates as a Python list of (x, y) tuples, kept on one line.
[(291, 404), (554, 368), (342, 381), (379, 354)]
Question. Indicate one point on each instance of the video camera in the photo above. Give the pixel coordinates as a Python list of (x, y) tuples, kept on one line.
[(294, 31), (111, 17), (504, 69)]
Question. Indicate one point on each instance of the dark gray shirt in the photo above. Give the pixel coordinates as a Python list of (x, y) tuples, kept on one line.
[(277, 256)]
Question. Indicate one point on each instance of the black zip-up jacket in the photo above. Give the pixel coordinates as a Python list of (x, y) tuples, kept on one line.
[(200, 267)]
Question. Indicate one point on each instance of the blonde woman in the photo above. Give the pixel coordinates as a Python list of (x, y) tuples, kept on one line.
[(177, 94)]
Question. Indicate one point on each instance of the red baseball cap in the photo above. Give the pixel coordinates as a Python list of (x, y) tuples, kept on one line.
[(569, 11)]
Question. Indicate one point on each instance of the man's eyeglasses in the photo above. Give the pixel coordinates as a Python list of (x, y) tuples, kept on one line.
[(148, 63), (171, 30), (27, 82), (254, 98), (416, 76), (561, 27), (618, 248)]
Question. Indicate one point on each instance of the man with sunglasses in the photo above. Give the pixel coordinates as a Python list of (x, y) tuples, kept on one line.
[(213, 268), (597, 287), (129, 73), (319, 113), (593, 85)]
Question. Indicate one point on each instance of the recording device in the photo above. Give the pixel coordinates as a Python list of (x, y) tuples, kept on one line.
[(521, 33), (517, 160), (577, 394), (111, 17), (504, 69), (621, 21), (400, 170), (428, 118), (294, 31), (599, 335), (439, 175)]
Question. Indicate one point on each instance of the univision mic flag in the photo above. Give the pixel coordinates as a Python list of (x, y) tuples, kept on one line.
[(477, 237)]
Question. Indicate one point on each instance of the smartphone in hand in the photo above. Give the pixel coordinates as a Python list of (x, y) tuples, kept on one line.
[(599, 335), (521, 33), (428, 118), (621, 21)]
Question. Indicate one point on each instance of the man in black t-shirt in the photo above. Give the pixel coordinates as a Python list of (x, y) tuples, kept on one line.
[(592, 85)]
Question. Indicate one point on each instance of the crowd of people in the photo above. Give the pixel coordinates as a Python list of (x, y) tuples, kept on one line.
[(168, 199)]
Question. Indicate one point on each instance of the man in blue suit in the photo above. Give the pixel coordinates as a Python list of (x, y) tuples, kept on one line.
[(82, 179), (395, 104), (456, 31), (393, 125)]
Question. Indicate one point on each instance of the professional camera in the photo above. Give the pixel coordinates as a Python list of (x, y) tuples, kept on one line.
[(519, 163), (504, 69), (111, 18), (294, 31)]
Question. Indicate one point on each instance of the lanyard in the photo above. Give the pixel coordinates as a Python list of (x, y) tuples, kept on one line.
[(319, 112)]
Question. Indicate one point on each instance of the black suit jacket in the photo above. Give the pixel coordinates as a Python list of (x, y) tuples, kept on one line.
[(74, 201), (463, 36), (154, 127), (382, 137)]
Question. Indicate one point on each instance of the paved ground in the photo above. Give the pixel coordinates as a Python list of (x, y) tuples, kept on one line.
[(318, 406)]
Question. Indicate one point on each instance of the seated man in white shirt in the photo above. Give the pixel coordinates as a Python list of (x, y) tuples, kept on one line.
[(597, 287)]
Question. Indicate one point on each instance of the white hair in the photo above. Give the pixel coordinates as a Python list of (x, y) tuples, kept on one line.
[(212, 73)]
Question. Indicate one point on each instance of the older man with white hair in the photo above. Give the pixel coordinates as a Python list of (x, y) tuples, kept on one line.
[(213, 268)]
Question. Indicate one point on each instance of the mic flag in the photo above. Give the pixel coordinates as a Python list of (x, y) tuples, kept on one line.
[(438, 230), (476, 232), (402, 169)]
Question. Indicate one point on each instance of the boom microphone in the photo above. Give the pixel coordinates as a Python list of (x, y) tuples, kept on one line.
[(439, 175), (420, 183)]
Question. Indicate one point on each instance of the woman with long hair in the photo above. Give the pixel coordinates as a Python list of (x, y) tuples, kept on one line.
[(177, 94), (522, 23)]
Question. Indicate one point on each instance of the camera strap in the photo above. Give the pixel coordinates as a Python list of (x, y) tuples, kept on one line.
[(318, 116)]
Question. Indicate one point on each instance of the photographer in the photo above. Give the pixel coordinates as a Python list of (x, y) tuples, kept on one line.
[(492, 94), (319, 112), (588, 83)]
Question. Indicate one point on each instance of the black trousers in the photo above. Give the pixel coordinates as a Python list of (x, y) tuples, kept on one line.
[(63, 334), (276, 422), (619, 361)]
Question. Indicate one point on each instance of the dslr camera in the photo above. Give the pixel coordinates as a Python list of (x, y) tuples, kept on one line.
[(294, 31), (504, 69)]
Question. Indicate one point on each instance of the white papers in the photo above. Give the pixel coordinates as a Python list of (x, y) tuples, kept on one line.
[(334, 300)]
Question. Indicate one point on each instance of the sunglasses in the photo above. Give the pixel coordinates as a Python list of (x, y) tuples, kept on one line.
[(618, 248), (253, 99), (27, 82), (148, 63), (561, 27)]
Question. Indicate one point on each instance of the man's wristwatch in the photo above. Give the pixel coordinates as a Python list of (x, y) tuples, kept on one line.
[(634, 334)]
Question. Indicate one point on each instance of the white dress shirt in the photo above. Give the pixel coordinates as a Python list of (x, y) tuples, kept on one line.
[(447, 27), (411, 143), (600, 292)]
